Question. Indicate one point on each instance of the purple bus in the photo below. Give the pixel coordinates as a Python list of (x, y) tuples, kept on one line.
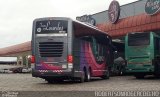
[(63, 48)]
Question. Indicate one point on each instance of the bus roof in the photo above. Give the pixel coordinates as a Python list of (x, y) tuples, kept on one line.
[(86, 29), (82, 29)]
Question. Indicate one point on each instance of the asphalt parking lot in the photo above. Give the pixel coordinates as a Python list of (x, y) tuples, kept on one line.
[(25, 82)]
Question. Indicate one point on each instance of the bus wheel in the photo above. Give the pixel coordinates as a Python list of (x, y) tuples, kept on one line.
[(87, 75), (49, 81), (81, 79), (140, 76), (106, 75), (58, 80), (157, 69)]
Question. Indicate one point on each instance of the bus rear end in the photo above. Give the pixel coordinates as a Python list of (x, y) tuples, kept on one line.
[(139, 54), (51, 48)]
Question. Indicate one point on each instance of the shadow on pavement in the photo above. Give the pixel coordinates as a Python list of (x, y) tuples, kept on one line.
[(69, 82), (148, 77)]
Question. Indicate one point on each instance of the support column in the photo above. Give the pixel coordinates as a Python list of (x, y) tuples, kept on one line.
[(24, 61), (20, 60)]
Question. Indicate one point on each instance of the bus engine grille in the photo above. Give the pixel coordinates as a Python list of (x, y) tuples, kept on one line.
[(51, 49)]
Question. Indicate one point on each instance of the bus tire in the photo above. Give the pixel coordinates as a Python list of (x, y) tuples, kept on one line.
[(50, 81), (140, 76), (87, 75), (106, 75), (82, 78), (58, 80), (157, 69)]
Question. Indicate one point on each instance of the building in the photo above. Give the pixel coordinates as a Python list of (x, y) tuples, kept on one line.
[(21, 51), (132, 18)]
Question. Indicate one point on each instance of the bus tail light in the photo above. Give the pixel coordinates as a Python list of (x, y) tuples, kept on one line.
[(32, 59), (70, 59)]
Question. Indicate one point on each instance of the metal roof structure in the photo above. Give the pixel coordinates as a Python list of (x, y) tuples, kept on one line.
[(23, 47), (138, 23)]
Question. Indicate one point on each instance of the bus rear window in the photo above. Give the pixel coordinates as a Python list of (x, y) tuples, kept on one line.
[(138, 39), (51, 26)]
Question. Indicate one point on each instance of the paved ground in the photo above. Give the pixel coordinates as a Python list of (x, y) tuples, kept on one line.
[(8, 66), (25, 82)]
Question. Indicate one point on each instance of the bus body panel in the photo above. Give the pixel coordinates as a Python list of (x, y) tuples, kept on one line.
[(52, 49), (44, 63), (141, 59), (51, 63), (84, 58)]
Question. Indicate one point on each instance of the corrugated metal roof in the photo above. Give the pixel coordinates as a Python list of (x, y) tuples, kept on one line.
[(138, 23), (26, 46)]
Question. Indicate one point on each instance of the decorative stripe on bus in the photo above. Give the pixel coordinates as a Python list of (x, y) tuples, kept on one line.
[(44, 35), (50, 70)]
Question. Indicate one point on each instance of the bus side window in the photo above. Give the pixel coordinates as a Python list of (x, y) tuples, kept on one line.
[(94, 45), (86, 38), (157, 44)]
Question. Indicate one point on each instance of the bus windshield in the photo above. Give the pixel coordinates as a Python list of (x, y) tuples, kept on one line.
[(51, 26), (138, 39)]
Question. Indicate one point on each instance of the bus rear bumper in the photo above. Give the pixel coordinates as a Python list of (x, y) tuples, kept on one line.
[(134, 68), (139, 71), (56, 74)]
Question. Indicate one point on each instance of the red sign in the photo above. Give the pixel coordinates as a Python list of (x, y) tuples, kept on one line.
[(114, 11)]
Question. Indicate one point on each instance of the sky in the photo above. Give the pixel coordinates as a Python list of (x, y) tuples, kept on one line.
[(16, 16)]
